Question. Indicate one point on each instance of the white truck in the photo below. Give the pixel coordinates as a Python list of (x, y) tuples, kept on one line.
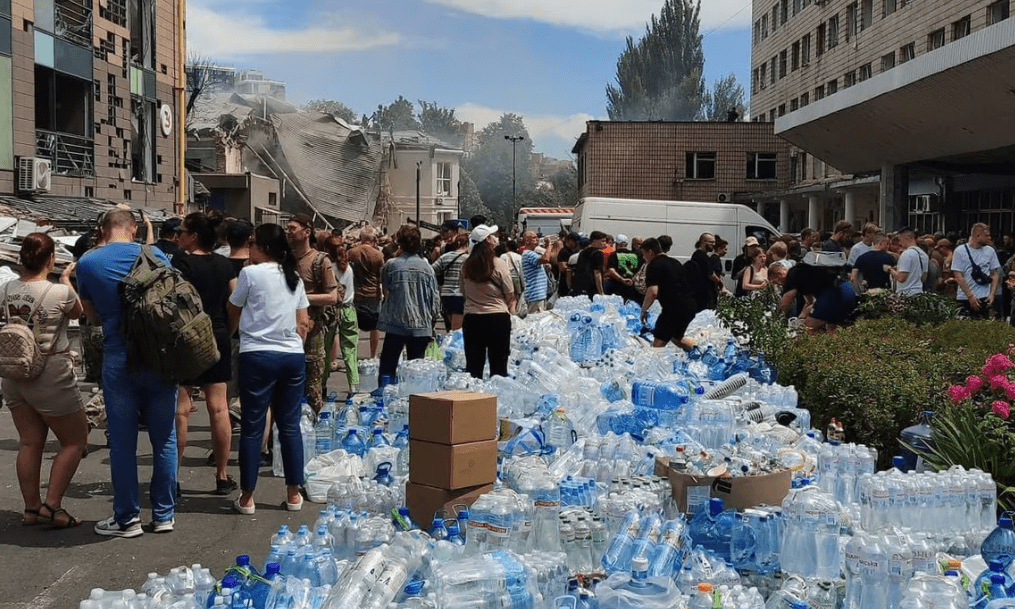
[(684, 221), (545, 221)]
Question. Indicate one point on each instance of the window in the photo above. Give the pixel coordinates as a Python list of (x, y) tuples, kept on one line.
[(772, 71), (805, 99), (142, 33), (961, 28), (443, 179), (819, 92), (754, 81), (771, 115), (866, 71), (775, 17), (819, 39), (782, 64), (866, 14), (63, 103), (849, 79), (850, 22), (806, 3), (832, 87), (797, 7), (143, 143), (784, 11), (803, 165), (764, 26), (889, 6), (907, 52), (997, 12), (888, 62), (794, 104), (805, 50), (936, 39), (782, 110), (701, 165), (833, 32), (795, 57), (761, 166), (763, 81), (757, 31)]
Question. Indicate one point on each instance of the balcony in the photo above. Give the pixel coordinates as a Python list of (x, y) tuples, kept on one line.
[(70, 155)]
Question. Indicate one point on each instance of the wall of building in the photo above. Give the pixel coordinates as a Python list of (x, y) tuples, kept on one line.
[(648, 160), (403, 187)]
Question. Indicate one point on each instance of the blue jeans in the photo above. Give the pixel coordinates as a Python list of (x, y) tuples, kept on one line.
[(127, 396), (271, 379)]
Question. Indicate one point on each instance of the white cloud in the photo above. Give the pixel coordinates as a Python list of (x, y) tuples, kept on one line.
[(227, 35), (540, 127), (608, 16)]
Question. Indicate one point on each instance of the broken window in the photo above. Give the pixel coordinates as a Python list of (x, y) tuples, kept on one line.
[(142, 33), (70, 20), (63, 121), (115, 11), (143, 143), (761, 166)]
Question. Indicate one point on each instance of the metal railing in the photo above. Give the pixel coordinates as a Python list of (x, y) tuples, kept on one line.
[(70, 155), (74, 22)]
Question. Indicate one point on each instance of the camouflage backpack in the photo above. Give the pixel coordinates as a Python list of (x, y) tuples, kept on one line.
[(164, 322)]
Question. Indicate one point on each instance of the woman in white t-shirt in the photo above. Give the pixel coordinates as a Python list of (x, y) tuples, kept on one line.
[(269, 306), (51, 400)]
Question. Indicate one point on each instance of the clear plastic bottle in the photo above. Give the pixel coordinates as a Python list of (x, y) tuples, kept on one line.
[(353, 443), (323, 433), (702, 598), (560, 433)]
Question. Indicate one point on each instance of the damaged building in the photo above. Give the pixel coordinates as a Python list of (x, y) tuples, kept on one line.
[(89, 96)]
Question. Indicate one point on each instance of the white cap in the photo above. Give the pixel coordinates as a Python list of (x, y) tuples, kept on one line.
[(480, 233), (621, 238)]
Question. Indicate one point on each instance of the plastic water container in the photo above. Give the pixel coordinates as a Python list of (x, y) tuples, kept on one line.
[(919, 437)]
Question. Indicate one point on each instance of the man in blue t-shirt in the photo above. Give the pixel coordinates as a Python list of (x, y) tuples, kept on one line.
[(533, 271), (869, 268), (129, 395)]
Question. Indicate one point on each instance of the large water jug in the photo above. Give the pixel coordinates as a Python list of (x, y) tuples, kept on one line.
[(919, 437)]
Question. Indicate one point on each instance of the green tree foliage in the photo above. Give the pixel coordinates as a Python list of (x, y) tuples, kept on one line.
[(726, 95), (398, 115), (659, 77), (334, 108), (470, 202), (490, 167), (440, 122)]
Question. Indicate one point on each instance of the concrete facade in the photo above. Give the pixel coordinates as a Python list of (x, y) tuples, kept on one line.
[(439, 173), (670, 161), (75, 94)]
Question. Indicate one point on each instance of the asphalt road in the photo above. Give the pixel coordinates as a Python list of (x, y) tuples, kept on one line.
[(45, 568)]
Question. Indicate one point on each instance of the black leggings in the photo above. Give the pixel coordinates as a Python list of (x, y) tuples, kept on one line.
[(486, 334)]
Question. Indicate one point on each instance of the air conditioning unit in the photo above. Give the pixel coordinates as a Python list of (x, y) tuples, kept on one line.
[(34, 175), (724, 197)]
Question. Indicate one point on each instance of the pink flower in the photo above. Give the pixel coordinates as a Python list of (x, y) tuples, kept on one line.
[(997, 364), (958, 393), (1009, 391), (1000, 409), (973, 383), (999, 382)]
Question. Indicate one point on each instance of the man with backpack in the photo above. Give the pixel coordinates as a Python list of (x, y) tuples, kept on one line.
[(323, 293), (129, 393)]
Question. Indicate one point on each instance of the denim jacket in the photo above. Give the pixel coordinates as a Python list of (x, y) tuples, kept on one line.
[(412, 297)]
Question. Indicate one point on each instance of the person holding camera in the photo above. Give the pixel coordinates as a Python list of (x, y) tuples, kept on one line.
[(977, 273)]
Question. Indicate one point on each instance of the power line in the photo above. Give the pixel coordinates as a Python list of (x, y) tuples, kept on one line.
[(730, 18)]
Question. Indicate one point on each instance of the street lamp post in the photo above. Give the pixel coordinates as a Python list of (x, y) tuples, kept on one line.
[(514, 139)]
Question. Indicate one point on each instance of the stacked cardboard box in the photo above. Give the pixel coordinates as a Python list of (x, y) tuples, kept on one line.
[(452, 451)]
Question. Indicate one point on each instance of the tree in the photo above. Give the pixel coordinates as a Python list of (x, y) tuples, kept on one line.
[(490, 167), (659, 77), (440, 122), (399, 115), (565, 186), (727, 96), (334, 108), (470, 202), (204, 79)]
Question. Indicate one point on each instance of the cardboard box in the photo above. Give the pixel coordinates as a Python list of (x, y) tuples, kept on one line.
[(739, 492), (453, 417), (424, 501), (452, 467)]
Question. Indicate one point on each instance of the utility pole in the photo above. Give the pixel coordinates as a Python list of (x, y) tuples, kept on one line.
[(514, 139), (418, 165)]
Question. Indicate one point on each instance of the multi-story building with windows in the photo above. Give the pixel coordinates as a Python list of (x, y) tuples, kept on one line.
[(901, 111), (88, 100)]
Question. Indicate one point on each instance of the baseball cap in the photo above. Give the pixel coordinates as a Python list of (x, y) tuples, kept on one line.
[(751, 241), (302, 219), (172, 225), (480, 233), (621, 238)]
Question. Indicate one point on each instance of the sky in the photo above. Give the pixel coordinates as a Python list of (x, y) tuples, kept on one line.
[(546, 60)]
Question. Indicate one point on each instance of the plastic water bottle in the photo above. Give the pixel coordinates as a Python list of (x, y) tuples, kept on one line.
[(323, 433), (437, 529), (353, 444), (560, 433), (618, 554), (659, 395), (702, 599), (1000, 544), (259, 588), (389, 394), (981, 587), (378, 439)]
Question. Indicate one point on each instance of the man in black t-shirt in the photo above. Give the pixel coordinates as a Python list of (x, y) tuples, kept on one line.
[(570, 249), (870, 267), (169, 233), (587, 276), (699, 272), (667, 283)]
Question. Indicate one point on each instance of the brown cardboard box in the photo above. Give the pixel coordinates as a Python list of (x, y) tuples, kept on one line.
[(452, 467), (424, 501), (739, 493), (452, 417)]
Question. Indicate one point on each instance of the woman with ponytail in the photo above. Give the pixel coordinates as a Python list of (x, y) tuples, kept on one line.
[(269, 306)]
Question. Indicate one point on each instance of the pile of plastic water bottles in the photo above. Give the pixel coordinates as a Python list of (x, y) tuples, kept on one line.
[(579, 518)]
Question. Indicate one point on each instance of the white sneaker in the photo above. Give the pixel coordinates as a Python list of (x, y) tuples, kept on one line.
[(163, 526), (110, 528)]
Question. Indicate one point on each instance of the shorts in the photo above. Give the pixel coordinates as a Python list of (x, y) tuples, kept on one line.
[(834, 305), (54, 393), (453, 305), (671, 326), (222, 370), (368, 310)]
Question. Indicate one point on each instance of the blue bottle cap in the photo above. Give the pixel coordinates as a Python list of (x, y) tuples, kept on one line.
[(415, 587), (997, 579), (242, 560), (1005, 522), (272, 569), (898, 462)]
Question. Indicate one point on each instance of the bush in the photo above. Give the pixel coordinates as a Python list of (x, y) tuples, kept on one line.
[(921, 309), (754, 317), (879, 375)]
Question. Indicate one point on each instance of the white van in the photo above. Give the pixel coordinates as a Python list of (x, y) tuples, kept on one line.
[(684, 221), (544, 221)]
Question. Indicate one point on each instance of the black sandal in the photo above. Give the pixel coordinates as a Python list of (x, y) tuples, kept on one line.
[(30, 518), (70, 523)]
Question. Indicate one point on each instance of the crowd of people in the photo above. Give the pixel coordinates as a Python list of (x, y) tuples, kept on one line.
[(288, 304)]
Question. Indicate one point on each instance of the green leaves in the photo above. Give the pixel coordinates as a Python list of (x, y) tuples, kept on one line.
[(755, 318)]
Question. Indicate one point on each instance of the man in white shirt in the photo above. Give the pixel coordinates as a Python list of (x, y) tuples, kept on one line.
[(865, 245), (977, 272), (912, 267)]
